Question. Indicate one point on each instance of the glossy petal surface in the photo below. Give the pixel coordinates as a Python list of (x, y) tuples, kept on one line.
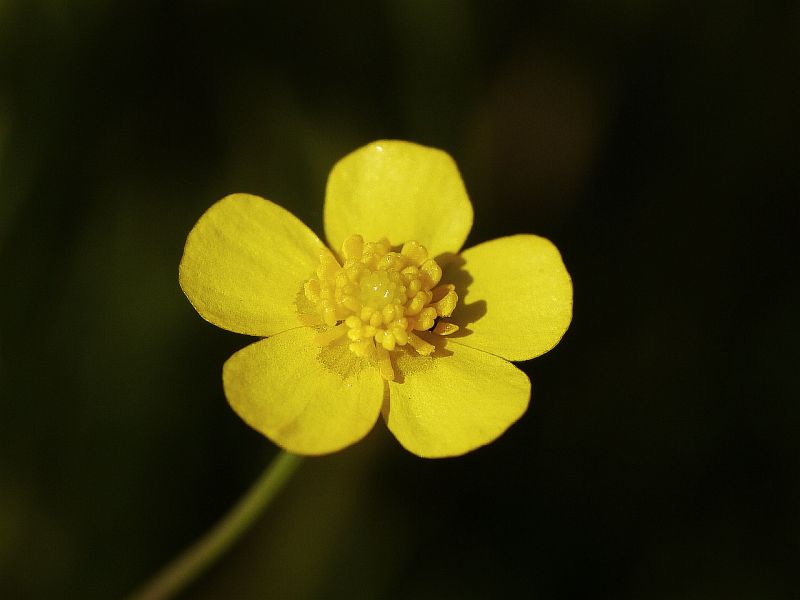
[(401, 191), (516, 297), (448, 405), (280, 388), (244, 264)]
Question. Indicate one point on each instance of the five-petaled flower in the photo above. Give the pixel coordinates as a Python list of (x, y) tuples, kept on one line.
[(389, 319)]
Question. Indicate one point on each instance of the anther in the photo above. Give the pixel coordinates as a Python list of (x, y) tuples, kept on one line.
[(444, 328), (431, 272), (420, 345), (352, 247), (446, 306)]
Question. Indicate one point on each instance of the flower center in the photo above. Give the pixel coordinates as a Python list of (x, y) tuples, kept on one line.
[(379, 288), (380, 299)]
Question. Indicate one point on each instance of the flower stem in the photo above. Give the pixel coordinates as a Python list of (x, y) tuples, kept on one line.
[(189, 565)]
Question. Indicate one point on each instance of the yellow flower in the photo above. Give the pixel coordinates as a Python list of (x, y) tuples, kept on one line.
[(391, 320)]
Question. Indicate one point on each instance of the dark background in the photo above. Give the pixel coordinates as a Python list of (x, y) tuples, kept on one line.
[(655, 142)]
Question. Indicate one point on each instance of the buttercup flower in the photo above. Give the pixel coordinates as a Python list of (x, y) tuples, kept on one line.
[(387, 319)]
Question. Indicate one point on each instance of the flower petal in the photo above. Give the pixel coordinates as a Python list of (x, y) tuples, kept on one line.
[(516, 297), (244, 264), (453, 403), (399, 190), (280, 388)]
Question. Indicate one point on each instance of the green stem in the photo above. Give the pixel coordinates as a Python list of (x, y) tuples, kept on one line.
[(189, 565)]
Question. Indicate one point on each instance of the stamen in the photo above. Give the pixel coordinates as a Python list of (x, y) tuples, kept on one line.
[(420, 345), (444, 328), (446, 306), (441, 291), (384, 363), (426, 319), (377, 298)]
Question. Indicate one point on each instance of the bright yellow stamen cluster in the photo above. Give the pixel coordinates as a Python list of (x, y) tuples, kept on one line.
[(379, 298)]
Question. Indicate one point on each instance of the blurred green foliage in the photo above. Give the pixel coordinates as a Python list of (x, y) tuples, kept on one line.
[(655, 142)]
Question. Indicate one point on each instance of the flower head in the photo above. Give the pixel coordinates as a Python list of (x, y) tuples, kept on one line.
[(389, 319)]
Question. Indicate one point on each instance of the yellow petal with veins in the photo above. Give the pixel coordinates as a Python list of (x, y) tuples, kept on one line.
[(400, 190), (280, 388), (244, 263), (516, 297), (451, 404)]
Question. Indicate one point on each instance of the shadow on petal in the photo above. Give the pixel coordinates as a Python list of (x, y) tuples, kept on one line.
[(386, 405), (465, 312)]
